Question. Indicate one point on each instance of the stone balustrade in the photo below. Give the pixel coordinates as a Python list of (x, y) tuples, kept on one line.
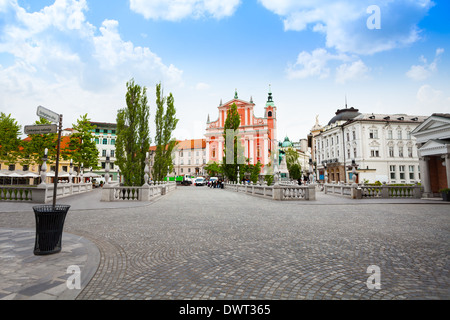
[(282, 192), (42, 193), (383, 191), (147, 192)]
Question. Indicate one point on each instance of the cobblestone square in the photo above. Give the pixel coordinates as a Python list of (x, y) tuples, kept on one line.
[(212, 244)]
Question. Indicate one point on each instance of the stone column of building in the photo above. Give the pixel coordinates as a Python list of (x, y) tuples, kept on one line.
[(425, 176), (252, 151), (447, 168), (220, 151), (266, 148)]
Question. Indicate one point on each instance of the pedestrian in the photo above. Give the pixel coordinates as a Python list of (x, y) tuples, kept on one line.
[(299, 180)]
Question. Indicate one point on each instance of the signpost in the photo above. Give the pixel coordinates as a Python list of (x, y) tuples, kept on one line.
[(47, 114), (40, 129), (49, 128)]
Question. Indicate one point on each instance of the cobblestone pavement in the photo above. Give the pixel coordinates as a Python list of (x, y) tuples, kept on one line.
[(202, 243)]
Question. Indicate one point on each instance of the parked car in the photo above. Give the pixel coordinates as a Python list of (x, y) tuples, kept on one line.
[(200, 181)]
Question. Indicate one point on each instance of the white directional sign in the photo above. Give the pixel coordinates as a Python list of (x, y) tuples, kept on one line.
[(47, 114), (40, 129)]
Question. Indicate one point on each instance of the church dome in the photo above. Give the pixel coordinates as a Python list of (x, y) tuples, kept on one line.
[(286, 143)]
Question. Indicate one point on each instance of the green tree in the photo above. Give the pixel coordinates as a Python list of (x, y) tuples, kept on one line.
[(166, 122), (230, 164), (82, 148), (292, 163), (34, 146), (133, 139), (213, 169), (10, 140)]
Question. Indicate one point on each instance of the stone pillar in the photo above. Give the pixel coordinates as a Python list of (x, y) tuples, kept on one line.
[(252, 151), (425, 176), (447, 168)]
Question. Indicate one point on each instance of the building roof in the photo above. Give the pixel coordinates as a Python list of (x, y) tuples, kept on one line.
[(191, 144), (344, 114), (390, 117)]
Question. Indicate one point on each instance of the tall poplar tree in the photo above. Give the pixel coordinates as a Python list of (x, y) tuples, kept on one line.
[(230, 165), (133, 138), (166, 122)]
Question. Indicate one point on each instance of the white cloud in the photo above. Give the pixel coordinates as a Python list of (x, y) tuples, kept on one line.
[(425, 70), (202, 86), (355, 71), (313, 64), (57, 58), (179, 9), (344, 22)]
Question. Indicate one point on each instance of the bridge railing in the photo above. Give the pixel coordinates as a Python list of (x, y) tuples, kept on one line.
[(383, 191), (282, 192), (115, 192), (42, 193)]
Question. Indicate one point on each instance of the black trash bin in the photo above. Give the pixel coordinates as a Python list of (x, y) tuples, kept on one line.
[(49, 228)]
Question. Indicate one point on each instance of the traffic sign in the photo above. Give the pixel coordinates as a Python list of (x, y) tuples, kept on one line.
[(40, 129), (47, 114)]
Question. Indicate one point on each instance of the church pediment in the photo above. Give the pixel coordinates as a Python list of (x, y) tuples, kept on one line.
[(431, 124), (433, 147)]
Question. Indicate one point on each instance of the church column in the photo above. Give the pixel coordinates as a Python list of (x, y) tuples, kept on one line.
[(208, 141), (447, 168), (425, 176), (252, 151), (266, 149), (220, 151)]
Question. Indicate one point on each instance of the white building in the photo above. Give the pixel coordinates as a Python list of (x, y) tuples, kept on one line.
[(381, 146), (105, 138)]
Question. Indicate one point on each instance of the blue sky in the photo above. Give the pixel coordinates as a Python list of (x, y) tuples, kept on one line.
[(75, 57)]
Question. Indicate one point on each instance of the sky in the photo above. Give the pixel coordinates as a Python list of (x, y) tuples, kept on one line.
[(75, 57)]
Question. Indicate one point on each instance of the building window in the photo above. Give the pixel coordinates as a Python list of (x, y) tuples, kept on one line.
[(399, 135), (373, 134), (64, 168), (391, 152), (113, 131), (182, 162), (197, 154), (113, 153), (337, 139), (97, 130), (181, 170), (113, 142), (348, 136), (408, 135), (105, 131), (392, 171), (354, 135), (105, 141), (97, 141), (189, 162), (354, 152), (390, 134), (332, 141), (189, 170), (103, 165), (374, 152), (348, 154), (402, 172), (181, 153), (411, 172), (214, 153), (25, 168), (204, 161), (410, 152), (400, 152), (196, 161), (103, 153)]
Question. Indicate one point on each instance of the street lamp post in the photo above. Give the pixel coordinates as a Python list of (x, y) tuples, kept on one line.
[(107, 167), (44, 168), (71, 172)]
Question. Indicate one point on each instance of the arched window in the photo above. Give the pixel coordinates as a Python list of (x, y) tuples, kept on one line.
[(269, 114)]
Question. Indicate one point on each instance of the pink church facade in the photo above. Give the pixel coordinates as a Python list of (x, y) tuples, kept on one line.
[(258, 135)]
